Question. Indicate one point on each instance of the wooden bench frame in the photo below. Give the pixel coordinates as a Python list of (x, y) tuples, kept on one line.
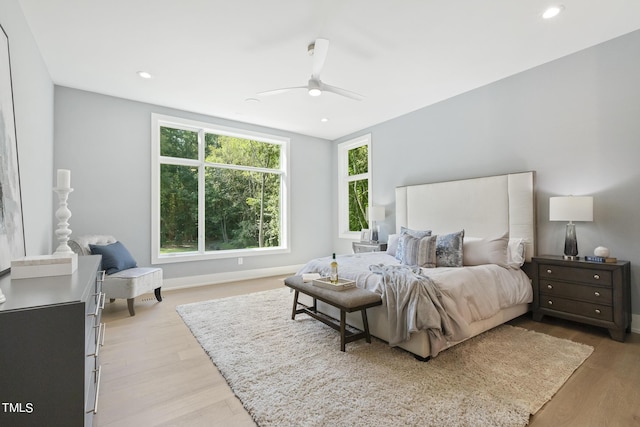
[(342, 300)]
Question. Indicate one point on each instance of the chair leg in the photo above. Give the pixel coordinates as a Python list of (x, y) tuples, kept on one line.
[(157, 292), (130, 305)]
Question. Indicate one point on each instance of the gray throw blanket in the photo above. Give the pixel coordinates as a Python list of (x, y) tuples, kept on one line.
[(413, 304)]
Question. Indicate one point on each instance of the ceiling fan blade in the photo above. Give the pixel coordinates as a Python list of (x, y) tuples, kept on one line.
[(320, 50), (342, 92), (279, 91)]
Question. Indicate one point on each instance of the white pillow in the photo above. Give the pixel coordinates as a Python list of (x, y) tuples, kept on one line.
[(392, 244), (487, 250), (515, 253)]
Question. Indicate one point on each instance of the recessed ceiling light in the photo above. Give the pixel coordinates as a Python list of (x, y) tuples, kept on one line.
[(552, 11), (144, 74), (252, 100), (324, 120)]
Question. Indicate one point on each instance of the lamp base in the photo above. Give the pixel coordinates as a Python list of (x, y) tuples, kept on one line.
[(571, 242), (570, 257)]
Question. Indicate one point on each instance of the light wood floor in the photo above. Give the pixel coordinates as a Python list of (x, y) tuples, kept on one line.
[(154, 373)]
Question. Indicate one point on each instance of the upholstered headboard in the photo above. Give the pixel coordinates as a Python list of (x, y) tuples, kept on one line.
[(483, 207)]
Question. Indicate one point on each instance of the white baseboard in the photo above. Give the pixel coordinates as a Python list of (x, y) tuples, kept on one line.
[(232, 276), (635, 323)]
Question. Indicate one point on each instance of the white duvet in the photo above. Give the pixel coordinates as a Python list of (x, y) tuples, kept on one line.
[(469, 294)]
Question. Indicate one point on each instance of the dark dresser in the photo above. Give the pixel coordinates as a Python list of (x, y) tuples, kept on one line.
[(589, 292), (50, 339)]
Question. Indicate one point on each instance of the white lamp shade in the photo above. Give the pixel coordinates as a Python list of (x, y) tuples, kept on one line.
[(375, 213), (571, 208)]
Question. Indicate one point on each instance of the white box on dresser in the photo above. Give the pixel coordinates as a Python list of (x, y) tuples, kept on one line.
[(44, 266)]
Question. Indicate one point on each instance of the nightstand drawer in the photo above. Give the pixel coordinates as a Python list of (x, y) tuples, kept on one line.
[(593, 294), (584, 275), (595, 311)]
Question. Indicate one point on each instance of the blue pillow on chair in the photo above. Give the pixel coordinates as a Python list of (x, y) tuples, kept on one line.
[(115, 257)]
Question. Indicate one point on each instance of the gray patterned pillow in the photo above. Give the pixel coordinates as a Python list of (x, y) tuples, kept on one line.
[(449, 250), (410, 232), (420, 251)]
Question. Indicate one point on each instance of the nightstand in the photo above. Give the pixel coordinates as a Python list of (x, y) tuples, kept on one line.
[(588, 292), (359, 247)]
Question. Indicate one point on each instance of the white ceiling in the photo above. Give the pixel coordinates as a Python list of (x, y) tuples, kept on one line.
[(209, 56)]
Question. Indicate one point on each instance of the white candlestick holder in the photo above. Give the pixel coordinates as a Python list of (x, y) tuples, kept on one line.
[(63, 214)]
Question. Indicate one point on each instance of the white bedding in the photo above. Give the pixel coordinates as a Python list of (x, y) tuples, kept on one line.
[(469, 294)]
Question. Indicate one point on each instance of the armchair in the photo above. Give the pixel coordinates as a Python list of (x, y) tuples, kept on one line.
[(123, 278)]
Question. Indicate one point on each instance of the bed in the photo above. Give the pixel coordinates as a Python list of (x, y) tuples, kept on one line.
[(484, 230)]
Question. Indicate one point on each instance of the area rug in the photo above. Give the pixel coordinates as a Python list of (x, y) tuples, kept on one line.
[(292, 372)]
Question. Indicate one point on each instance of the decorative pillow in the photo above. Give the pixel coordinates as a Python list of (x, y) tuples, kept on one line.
[(115, 257), (515, 253), (392, 244), (449, 250), (488, 250), (410, 232), (420, 251)]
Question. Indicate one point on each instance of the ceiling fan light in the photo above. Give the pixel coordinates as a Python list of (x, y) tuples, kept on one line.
[(314, 91), (552, 12)]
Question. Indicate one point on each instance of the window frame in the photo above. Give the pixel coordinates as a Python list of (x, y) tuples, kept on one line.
[(344, 179), (159, 120)]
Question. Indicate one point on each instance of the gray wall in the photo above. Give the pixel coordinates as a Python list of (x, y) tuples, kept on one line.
[(33, 106), (106, 143), (575, 121)]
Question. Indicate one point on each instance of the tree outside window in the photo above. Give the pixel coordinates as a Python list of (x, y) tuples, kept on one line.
[(355, 185), (219, 191)]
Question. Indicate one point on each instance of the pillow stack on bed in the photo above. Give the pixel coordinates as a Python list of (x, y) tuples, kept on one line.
[(421, 248)]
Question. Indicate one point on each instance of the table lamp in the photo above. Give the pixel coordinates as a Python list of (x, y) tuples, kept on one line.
[(571, 208), (375, 213)]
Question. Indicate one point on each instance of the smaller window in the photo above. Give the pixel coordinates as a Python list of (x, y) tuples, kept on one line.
[(354, 181)]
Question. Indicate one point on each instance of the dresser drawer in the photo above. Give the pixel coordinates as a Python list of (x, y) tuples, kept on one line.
[(584, 275), (594, 311), (595, 294)]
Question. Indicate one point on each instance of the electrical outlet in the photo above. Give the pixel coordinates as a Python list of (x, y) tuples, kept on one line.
[(240, 261)]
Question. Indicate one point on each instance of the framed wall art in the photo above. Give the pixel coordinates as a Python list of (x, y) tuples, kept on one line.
[(11, 226)]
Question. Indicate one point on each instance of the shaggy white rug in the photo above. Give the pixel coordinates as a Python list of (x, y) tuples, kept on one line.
[(292, 373)]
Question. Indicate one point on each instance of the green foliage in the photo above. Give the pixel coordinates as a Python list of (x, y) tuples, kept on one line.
[(241, 205), (358, 189)]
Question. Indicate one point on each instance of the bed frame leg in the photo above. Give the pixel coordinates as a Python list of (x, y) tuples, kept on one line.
[(422, 359)]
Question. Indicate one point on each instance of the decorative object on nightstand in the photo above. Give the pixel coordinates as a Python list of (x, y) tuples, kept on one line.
[(601, 251), (571, 208), (594, 293), (375, 213), (359, 247)]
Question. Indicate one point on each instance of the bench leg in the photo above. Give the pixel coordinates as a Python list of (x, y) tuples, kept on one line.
[(365, 322), (343, 329), (295, 305), (156, 291)]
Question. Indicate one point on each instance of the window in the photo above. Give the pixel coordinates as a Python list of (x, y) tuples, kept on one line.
[(218, 192), (354, 180)]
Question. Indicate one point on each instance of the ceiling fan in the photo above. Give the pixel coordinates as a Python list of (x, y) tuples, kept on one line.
[(315, 87)]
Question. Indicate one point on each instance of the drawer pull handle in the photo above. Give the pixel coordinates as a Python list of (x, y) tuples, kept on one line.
[(549, 271), (99, 306), (550, 302), (597, 294), (99, 340), (597, 311), (549, 286), (596, 276), (98, 374)]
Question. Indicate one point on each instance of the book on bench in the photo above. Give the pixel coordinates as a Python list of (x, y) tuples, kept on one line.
[(325, 282)]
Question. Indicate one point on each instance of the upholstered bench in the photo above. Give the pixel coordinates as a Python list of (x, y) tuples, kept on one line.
[(347, 301)]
